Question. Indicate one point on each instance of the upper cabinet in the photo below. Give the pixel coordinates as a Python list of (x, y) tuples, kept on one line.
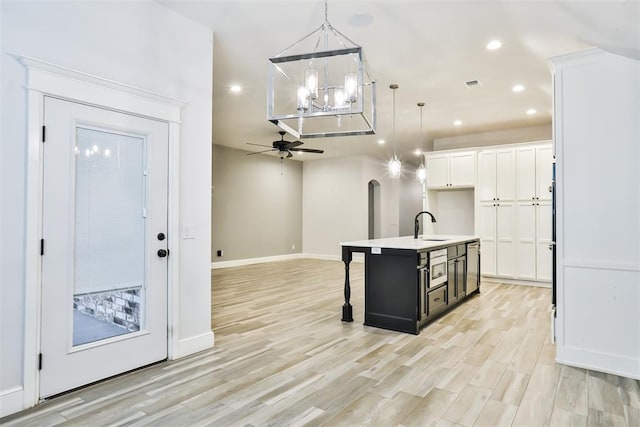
[(496, 175), (451, 170), (534, 166)]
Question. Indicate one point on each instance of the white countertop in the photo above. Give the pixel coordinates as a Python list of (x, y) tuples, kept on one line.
[(408, 242)]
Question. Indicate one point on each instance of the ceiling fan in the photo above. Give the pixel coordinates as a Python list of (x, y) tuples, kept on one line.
[(285, 148)]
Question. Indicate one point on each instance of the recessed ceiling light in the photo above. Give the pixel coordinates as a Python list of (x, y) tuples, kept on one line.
[(457, 122), (235, 88), (381, 141), (300, 153), (417, 152), (518, 88), (531, 111), (494, 44)]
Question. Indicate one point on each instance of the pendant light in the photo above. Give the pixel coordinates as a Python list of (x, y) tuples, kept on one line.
[(421, 172), (394, 165), (311, 92)]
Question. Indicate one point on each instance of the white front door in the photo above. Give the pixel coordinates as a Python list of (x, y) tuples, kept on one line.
[(104, 226)]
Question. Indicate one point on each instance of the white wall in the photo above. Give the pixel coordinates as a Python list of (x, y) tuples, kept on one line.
[(506, 136), (335, 202), (141, 44), (454, 211)]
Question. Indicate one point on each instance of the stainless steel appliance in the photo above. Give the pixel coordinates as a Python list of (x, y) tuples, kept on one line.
[(437, 268), (433, 273), (473, 267)]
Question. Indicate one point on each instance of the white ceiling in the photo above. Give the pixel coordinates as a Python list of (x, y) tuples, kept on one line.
[(430, 48)]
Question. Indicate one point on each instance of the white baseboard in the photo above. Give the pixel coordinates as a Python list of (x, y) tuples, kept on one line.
[(357, 257), (249, 261), (194, 344), (11, 401), (519, 282), (601, 362)]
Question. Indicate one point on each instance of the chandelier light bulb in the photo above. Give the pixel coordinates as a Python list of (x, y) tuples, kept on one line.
[(350, 85), (303, 98), (339, 98), (311, 82)]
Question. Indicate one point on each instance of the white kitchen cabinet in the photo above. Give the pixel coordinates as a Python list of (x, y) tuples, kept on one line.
[(534, 168), (487, 233), (596, 130), (496, 191), (451, 170)]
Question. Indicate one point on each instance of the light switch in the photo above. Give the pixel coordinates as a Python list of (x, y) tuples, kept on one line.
[(188, 231)]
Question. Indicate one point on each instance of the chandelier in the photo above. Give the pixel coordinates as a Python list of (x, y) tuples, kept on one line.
[(320, 87)]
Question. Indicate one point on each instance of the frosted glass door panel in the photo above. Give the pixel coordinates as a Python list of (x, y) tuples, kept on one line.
[(109, 234)]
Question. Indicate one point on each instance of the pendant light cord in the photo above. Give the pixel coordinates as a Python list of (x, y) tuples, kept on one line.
[(421, 105), (394, 87)]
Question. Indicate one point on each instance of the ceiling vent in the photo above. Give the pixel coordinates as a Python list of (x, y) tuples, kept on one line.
[(472, 83)]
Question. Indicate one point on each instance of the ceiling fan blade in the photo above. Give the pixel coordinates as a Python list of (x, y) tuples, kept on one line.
[(259, 145), (293, 144), (307, 150), (259, 152)]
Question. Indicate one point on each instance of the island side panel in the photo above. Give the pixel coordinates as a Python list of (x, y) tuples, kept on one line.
[(391, 290)]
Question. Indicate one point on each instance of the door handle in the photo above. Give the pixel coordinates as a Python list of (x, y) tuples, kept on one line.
[(162, 253)]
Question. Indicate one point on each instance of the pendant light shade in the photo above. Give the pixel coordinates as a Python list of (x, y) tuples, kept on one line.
[(421, 172), (395, 165)]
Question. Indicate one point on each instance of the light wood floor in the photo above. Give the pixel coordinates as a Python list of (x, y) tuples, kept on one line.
[(283, 357)]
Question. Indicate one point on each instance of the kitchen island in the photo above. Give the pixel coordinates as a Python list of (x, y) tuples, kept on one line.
[(410, 282)]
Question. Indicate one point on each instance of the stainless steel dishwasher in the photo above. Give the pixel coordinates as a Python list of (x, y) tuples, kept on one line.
[(473, 267)]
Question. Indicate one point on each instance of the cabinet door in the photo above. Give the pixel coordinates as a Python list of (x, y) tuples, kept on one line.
[(437, 171), (461, 267), (526, 171), (487, 176), (462, 169), (487, 231), (526, 237), (505, 232), (543, 252), (505, 175), (544, 166), (452, 294)]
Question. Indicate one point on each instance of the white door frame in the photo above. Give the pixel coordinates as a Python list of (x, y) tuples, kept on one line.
[(46, 79)]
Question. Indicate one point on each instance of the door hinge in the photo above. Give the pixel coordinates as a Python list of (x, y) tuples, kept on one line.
[(41, 246), (44, 131), (39, 361)]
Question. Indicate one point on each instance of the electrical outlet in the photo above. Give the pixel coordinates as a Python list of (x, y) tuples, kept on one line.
[(293, 246), (220, 252)]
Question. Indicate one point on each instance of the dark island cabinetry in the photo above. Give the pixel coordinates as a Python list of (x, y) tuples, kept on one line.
[(407, 288)]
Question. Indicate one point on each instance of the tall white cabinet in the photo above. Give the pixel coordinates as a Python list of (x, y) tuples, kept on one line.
[(597, 143), (514, 212), (533, 212), (496, 196)]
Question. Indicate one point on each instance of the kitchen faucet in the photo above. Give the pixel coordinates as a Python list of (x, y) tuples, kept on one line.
[(416, 227)]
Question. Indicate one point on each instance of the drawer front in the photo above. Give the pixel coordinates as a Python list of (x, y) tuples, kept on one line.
[(436, 300), (456, 251)]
